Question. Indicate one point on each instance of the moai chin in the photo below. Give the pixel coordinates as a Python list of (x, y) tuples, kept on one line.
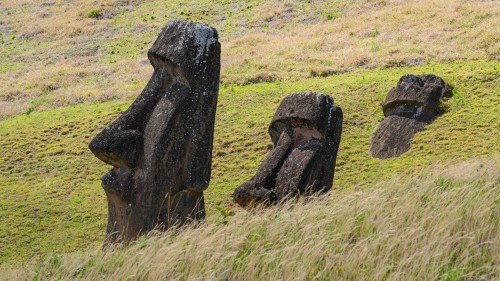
[(306, 133), (161, 147)]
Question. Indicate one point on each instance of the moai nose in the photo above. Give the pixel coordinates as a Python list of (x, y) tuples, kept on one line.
[(117, 147), (121, 143)]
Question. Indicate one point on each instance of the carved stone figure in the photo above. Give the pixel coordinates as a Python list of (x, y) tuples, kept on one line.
[(407, 108), (306, 133), (161, 147)]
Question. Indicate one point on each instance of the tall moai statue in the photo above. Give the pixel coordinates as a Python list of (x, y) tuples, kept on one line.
[(161, 147), (305, 131)]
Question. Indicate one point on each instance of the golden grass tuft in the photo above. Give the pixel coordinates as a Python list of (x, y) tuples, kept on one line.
[(442, 225)]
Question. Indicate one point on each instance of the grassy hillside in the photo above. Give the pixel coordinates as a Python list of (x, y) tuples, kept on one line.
[(52, 196), (57, 52), (60, 86), (430, 228)]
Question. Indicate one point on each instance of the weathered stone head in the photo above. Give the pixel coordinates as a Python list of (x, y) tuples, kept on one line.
[(306, 134), (407, 108), (161, 147)]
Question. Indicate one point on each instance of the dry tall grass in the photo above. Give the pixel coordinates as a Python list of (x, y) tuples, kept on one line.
[(363, 34), (54, 49), (440, 226)]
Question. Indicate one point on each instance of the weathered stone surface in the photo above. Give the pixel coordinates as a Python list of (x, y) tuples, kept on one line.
[(394, 136), (306, 133), (161, 147), (407, 108)]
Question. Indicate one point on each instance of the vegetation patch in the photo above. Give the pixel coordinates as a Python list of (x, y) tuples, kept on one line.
[(262, 41), (53, 200), (399, 230), (94, 13), (83, 76)]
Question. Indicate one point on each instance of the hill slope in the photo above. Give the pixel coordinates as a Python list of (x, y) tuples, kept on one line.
[(60, 86), (50, 180), (442, 225), (58, 52)]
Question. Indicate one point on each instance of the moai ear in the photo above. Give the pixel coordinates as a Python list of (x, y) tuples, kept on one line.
[(335, 126)]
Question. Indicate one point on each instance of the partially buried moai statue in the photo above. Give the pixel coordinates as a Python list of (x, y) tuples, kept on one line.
[(407, 108), (306, 134), (161, 147)]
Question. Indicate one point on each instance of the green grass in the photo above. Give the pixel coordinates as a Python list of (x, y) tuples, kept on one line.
[(52, 196), (94, 13), (61, 86), (426, 228), (49, 181)]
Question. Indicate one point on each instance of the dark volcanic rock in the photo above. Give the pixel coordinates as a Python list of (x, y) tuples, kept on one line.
[(306, 133), (394, 136), (161, 147), (407, 108)]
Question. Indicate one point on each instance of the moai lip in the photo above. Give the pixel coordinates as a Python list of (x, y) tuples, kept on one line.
[(408, 108), (306, 133), (161, 146)]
